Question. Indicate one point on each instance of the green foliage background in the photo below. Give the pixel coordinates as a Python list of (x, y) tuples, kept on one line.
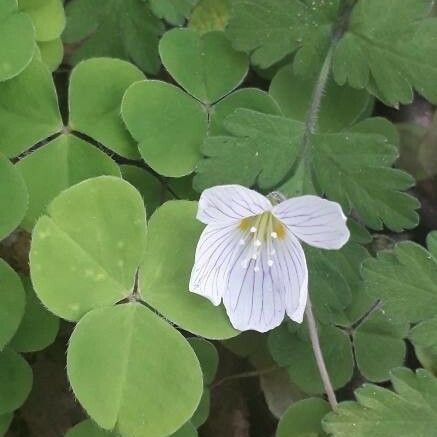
[(115, 115)]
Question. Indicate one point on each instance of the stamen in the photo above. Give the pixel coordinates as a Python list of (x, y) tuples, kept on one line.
[(253, 229), (274, 235), (257, 243)]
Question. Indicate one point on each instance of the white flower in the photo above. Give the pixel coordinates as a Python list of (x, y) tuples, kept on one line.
[(250, 256)]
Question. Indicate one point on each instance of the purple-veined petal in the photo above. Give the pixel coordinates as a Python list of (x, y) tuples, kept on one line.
[(253, 299), (230, 203), (316, 221), (214, 253)]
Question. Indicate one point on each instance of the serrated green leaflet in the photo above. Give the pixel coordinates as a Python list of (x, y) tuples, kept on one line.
[(294, 351), (248, 98), (15, 381), (14, 196), (303, 419), (379, 346), (89, 245), (423, 336), (47, 16), (56, 166), (95, 104), (379, 412), (405, 280), (17, 41), (29, 111), (173, 11), (164, 274), (209, 15), (12, 303), (205, 65), (38, 328), (117, 29), (168, 124), (342, 106), (87, 428), (126, 366)]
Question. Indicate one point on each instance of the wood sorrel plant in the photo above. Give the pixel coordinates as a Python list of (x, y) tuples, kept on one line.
[(157, 101)]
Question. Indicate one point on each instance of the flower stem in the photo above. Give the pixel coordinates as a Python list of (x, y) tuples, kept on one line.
[(314, 336)]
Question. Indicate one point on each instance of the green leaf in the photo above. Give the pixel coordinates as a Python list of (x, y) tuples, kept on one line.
[(205, 65), (201, 415), (379, 346), (15, 381), (168, 124), (87, 428), (48, 17), (294, 351), (258, 150), (125, 363), (52, 53), (12, 302), (209, 15), (272, 29), (431, 242), (173, 11), (208, 357), (5, 421), (405, 279), (89, 245), (165, 271), (389, 50), (248, 98), (17, 42), (95, 104), (341, 106), (38, 328), (29, 112), (124, 29), (14, 197), (379, 412), (187, 430), (424, 339), (303, 419), (150, 188), (56, 166)]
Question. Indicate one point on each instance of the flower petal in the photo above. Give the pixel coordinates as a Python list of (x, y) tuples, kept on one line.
[(253, 299), (316, 221), (214, 253), (230, 203), (291, 275)]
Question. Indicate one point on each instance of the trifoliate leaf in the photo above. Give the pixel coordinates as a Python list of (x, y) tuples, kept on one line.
[(13, 195), (124, 29), (59, 164), (272, 29), (304, 419), (126, 364), (208, 357), (294, 351), (258, 150), (89, 245), (17, 42), (29, 112), (51, 53), (209, 15), (5, 422), (165, 272), (379, 346), (48, 17), (38, 328), (379, 412), (173, 11), (168, 124), (248, 98), (341, 106), (205, 65), (12, 303), (424, 339), (405, 280), (95, 93), (15, 381), (87, 428)]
